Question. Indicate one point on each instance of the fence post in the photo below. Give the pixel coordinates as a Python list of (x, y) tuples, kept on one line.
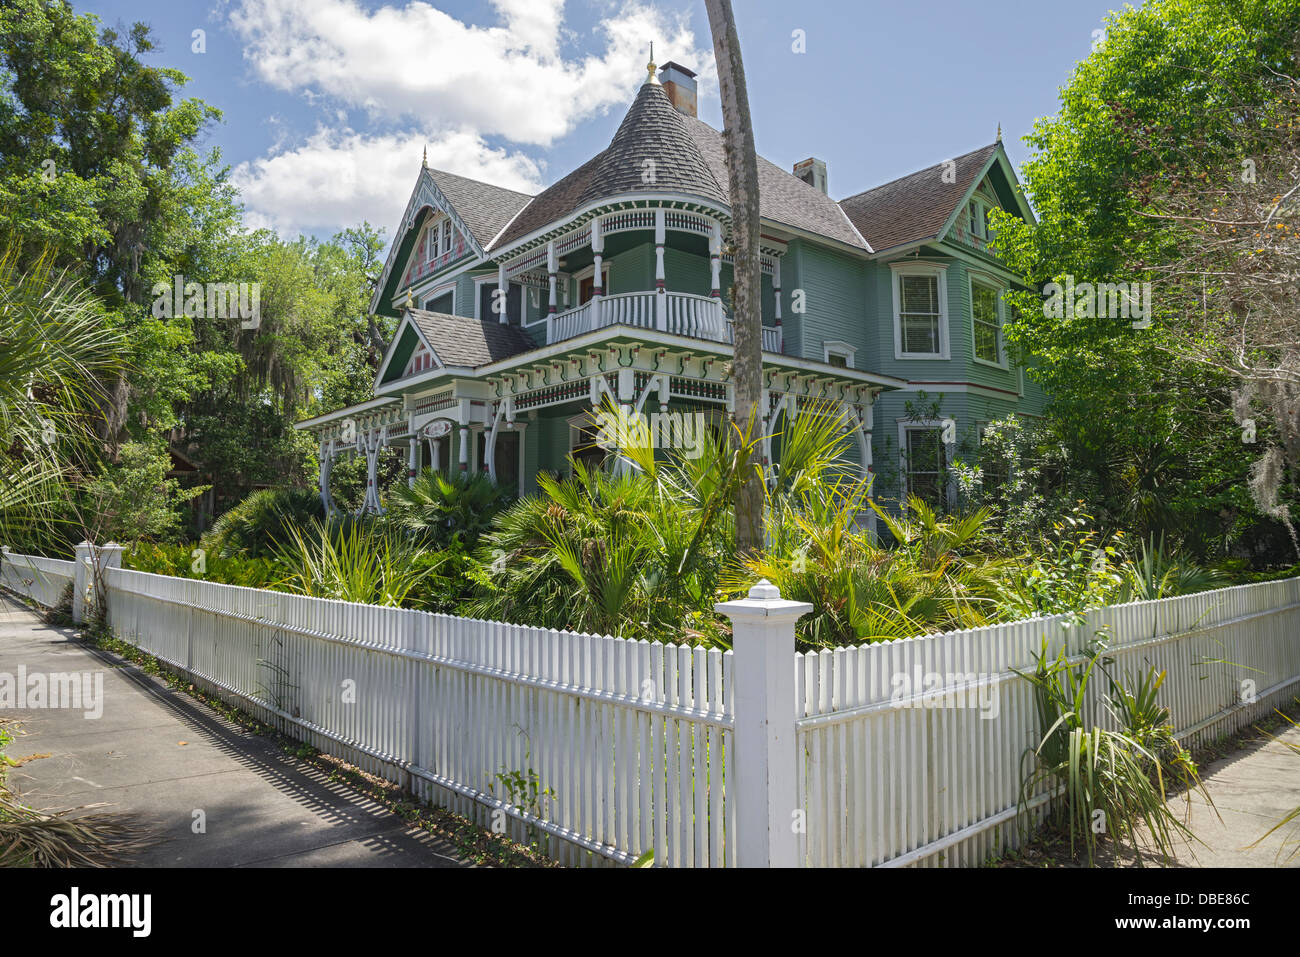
[(80, 579), (764, 766)]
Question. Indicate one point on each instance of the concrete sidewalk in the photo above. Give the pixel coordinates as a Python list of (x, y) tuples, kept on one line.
[(160, 756), (1252, 788)]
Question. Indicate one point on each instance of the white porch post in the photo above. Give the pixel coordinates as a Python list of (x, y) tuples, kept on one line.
[(765, 743), (375, 440), (598, 274), (435, 452), (326, 464), (490, 447), (413, 461), (504, 289), (661, 294), (552, 269), (715, 260), (520, 428)]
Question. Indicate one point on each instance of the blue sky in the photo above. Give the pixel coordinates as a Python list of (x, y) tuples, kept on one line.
[(328, 103)]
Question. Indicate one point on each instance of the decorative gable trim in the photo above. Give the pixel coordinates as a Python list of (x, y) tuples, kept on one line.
[(425, 195), (997, 158), (393, 346)]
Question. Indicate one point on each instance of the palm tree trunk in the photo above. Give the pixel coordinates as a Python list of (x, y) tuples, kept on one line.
[(742, 174)]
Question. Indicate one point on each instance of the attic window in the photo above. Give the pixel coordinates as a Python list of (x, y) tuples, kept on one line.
[(421, 360), (438, 239)]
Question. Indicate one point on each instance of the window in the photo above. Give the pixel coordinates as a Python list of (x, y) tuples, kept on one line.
[(920, 313), (976, 219), (444, 238), (988, 327), (444, 303), (923, 463), (838, 354)]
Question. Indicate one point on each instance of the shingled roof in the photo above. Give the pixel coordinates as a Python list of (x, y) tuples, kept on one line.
[(462, 341), (914, 208), (484, 208), (652, 130), (782, 197)]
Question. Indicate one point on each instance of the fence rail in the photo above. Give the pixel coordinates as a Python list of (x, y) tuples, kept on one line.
[(892, 754)]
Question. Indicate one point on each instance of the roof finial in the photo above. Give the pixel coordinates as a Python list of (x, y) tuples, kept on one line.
[(410, 300), (424, 163), (999, 132), (651, 66)]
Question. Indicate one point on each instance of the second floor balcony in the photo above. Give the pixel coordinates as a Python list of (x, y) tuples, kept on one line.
[(678, 313)]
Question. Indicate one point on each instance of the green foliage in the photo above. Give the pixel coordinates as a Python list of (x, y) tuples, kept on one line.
[(935, 578), (54, 349), (191, 561), (135, 499), (1113, 781), (443, 510), (259, 524), (1144, 425), (631, 553), (351, 560)]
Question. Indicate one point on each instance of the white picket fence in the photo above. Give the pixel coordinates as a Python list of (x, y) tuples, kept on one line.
[(897, 771), (875, 763), (42, 579)]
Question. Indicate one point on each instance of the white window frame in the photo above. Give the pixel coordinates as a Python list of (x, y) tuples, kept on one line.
[(904, 466), (939, 271), (492, 278), (437, 292), (432, 232), (837, 347), (974, 279)]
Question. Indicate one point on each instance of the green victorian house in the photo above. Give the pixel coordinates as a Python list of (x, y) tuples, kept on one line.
[(521, 315)]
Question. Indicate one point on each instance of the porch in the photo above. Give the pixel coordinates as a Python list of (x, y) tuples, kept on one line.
[(678, 313)]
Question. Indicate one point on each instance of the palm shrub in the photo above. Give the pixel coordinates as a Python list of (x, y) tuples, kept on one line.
[(444, 510), (353, 560), (258, 525), (635, 548), (56, 351), (1157, 572), (1111, 781), (935, 578)]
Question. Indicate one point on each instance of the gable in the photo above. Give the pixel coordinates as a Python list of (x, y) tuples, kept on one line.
[(407, 342), (476, 211)]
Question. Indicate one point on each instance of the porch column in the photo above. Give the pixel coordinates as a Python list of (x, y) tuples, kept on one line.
[(490, 447), (326, 464), (776, 285), (374, 441), (504, 289), (463, 450), (661, 294), (598, 274), (413, 461), (715, 259), (435, 452), (552, 269), (518, 428)]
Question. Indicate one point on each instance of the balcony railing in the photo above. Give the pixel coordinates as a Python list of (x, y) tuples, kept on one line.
[(683, 314)]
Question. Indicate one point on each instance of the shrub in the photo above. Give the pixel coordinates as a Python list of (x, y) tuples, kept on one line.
[(353, 560), (444, 510), (1113, 782), (261, 522)]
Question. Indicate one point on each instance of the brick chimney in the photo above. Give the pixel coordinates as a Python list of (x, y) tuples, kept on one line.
[(813, 172), (679, 84)]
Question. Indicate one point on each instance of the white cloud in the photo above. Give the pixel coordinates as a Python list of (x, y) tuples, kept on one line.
[(415, 62), (341, 177)]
